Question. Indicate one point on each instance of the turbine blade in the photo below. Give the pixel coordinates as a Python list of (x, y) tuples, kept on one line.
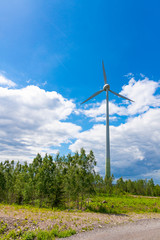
[(120, 95), (95, 94), (104, 73)]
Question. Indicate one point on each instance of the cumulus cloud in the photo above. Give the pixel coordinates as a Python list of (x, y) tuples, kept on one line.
[(98, 111), (6, 82), (141, 91), (33, 120), (135, 144)]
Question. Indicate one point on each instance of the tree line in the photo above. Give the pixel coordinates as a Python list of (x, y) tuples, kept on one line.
[(138, 187), (49, 182), (66, 180)]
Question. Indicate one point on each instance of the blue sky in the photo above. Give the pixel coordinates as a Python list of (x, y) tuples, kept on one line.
[(51, 60)]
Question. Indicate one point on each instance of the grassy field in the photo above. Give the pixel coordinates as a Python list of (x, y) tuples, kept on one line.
[(125, 204), (27, 222)]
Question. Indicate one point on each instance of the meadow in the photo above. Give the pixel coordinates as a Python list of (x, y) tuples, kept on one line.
[(124, 204), (27, 222)]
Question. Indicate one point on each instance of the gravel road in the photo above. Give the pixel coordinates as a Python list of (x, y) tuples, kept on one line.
[(147, 229)]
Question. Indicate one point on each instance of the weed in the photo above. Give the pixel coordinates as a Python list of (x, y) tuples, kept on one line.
[(39, 234), (12, 235), (123, 204), (66, 233), (35, 223), (3, 227), (29, 236), (155, 209)]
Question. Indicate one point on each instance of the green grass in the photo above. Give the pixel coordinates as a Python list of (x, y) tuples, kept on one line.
[(3, 227), (124, 204), (115, 205), (38, 234), (29, 216)]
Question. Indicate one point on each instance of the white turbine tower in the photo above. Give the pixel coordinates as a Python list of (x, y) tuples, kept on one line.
[(106, 88)]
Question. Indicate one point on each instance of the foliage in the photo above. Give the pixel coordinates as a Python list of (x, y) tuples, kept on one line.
[(38, 234), (48, 182), (64, 182), (138, 187), (3, 227), (124, 204)]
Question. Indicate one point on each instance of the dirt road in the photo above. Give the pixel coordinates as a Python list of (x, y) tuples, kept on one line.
[(148, 229)]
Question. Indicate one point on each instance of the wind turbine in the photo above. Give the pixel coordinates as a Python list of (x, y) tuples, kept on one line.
[(106, 88)]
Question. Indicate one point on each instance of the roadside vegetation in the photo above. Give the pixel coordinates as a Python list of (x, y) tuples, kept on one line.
[(51, 198), (124, 204)]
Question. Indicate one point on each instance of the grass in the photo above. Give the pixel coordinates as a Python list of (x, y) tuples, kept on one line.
[(27, 222), (3, 227), (124, 204), (38, 234)]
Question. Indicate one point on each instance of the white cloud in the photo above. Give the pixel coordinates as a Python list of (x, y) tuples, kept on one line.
[(142, 75), (98, 111), (135, 144), (129, 75), (44, 83), (141, 91), (155, 174), (32, 120), (136, 141), (6, 82)]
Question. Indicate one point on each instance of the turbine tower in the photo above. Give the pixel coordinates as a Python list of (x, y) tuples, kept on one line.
[(106, 88)]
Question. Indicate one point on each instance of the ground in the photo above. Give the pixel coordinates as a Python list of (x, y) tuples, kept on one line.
[(26, 218)]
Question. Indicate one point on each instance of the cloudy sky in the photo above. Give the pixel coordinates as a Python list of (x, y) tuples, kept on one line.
[(51, 60)]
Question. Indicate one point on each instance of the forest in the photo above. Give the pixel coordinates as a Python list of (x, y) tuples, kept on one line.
[(66, 181)]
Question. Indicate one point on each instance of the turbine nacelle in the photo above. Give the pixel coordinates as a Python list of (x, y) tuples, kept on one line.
[(106, 87)]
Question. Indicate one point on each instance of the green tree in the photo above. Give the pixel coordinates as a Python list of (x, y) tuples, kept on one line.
[(2, 183), (121, 185), (150, 187), (8, 169)]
